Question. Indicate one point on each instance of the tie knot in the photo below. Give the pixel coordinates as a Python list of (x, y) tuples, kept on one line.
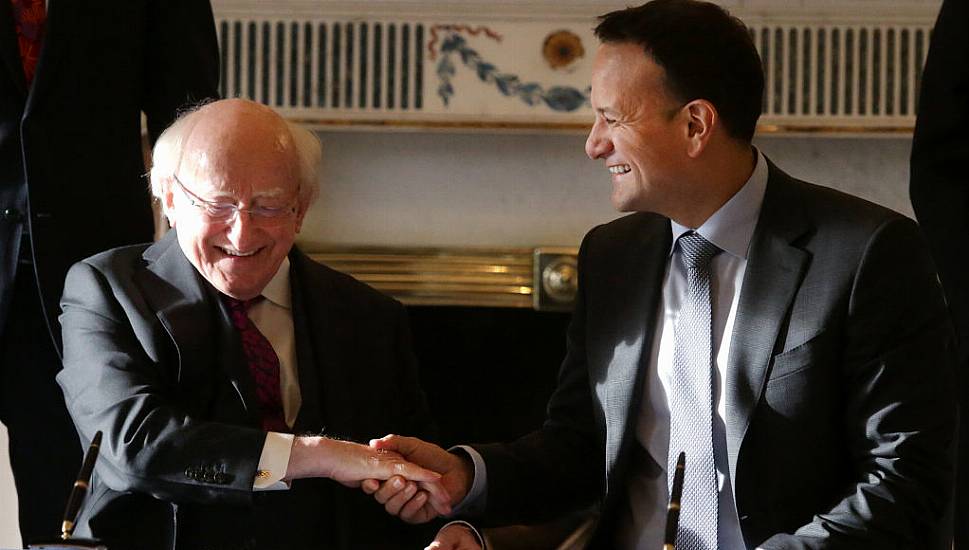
[(239, 309), (697, 251), (237, 305)]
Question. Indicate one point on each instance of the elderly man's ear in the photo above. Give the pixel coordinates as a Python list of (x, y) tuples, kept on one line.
[(162, 214), (300, 216), (168, 204)]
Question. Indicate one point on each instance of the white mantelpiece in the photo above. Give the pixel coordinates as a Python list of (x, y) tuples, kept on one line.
[(832, 65)]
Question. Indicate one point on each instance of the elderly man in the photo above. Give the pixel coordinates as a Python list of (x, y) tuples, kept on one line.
[(790, 339), (200, 356)]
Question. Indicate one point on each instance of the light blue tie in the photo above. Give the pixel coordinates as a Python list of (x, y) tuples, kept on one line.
[(691, 400)]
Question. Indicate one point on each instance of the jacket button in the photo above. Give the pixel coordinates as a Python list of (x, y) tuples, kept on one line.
[(11, 214), (190, 473)]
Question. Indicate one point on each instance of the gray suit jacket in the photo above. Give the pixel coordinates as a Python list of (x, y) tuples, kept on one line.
[(151, 359), (840, 414)]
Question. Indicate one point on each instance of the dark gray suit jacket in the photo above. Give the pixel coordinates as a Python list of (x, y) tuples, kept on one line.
[(151, 359), (840, 414)]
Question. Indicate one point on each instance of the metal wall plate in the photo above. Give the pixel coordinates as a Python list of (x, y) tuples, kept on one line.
[(556, 278), (540, 278)]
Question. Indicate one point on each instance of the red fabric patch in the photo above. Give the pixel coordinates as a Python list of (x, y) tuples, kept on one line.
[(29, 17)]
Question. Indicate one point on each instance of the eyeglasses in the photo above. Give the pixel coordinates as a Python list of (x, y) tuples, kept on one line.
[(227, 211)]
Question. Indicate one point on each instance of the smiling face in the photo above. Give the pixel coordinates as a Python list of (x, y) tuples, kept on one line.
[(239, 153), (640, 131)]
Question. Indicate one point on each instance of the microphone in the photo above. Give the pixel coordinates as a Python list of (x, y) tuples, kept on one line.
[(673, 510)]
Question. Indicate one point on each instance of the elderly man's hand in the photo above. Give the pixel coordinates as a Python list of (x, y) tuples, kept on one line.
[(421, 502), (350, 463), (454, 536)]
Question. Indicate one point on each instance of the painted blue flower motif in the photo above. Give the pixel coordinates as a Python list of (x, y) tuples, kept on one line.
[(557, 98), (560, 98)]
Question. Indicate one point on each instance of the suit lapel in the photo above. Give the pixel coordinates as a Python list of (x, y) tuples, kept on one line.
[(775, 268), (322, 337), (9, 48), (309, 418), (194, 318), (635, 309)]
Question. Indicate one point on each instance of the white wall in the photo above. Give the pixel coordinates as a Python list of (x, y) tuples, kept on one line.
[(9, 532), (527, 190)]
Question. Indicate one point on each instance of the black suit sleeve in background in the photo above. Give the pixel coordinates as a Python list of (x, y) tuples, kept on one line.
[(72, 172), (939, 183), (940, 198), (179, 31)]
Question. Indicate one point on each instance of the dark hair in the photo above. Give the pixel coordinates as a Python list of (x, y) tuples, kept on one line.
[(706, 53)]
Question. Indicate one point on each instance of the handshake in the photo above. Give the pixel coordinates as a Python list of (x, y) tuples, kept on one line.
[(413, 480)]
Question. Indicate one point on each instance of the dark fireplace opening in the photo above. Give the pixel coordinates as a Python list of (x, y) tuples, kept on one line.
[(487, 371)]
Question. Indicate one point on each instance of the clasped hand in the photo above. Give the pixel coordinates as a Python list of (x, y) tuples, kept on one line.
[(418, 501), (350, 463)]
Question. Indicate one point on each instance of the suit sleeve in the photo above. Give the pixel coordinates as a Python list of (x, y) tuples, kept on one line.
[(151, 443), (938, 185), (558, 468), (182, 60), (899, 409), (940, 195)]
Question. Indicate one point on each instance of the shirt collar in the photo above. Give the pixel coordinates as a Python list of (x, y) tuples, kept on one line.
[(732, 226), (278, 289)]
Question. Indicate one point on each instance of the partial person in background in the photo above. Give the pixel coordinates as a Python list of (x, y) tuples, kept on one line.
[(75, 79), (201, 355), (792, 340), (939, 188)]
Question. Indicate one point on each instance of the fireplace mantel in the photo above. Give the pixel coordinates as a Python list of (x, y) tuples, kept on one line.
[(544, 279)]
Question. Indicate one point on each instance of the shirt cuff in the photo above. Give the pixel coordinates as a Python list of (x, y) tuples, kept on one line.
[(471, 528), (474, 502), (273, 463)]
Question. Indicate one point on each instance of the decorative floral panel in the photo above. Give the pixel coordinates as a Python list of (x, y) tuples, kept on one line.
[(829, 66)]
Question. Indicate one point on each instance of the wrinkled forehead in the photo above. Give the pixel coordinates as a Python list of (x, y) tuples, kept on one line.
[(232, 147)]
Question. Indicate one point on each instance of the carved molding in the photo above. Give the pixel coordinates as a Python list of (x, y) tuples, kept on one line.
[(832, 66)]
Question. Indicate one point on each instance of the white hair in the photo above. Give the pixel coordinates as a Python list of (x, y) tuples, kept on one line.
[(167, 154)]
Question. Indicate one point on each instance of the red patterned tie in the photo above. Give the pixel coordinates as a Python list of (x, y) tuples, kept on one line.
[(263, 364), (29, 16)]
